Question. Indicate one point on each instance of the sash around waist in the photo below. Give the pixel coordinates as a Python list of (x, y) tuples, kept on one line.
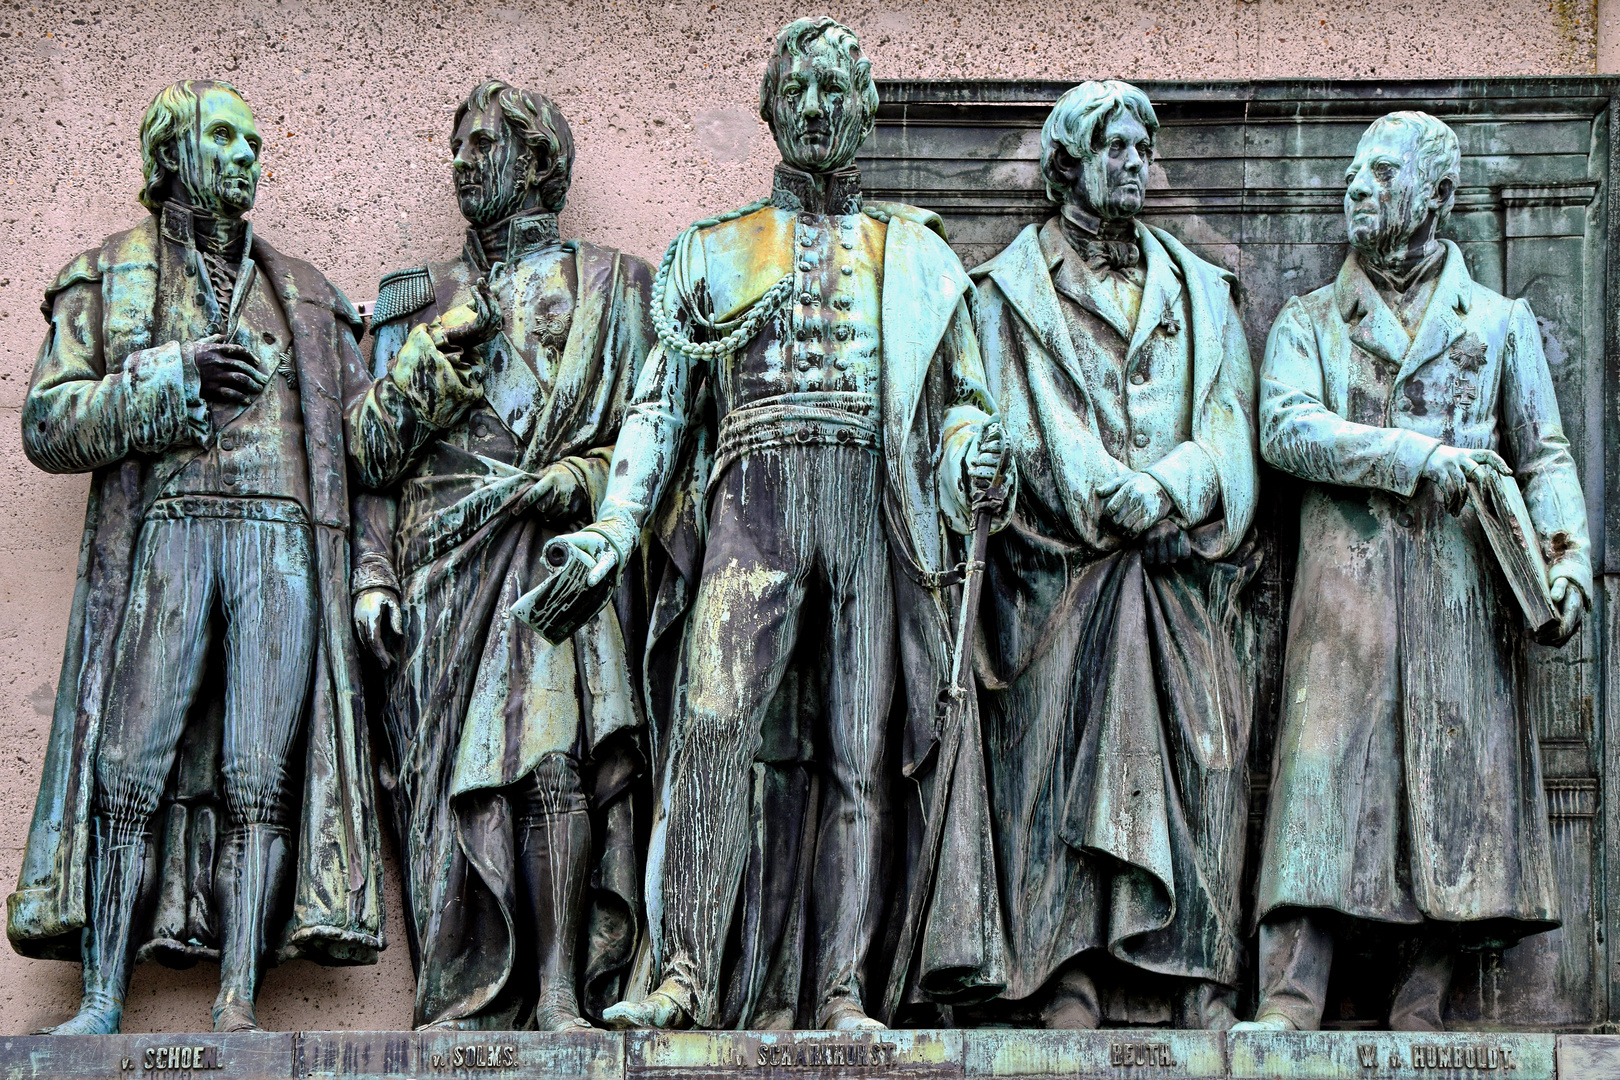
[(840, 417)]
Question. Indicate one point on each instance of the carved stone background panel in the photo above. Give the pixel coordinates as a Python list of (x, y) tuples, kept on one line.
[(1251, 176)]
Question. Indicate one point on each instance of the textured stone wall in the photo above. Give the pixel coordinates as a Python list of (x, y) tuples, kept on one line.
[(354, 99)]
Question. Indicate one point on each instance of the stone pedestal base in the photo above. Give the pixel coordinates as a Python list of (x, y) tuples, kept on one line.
[(812, 1055)]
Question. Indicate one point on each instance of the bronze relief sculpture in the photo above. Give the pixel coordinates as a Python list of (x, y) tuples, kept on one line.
[(206, 790), (1408, 796), (665, 587), (816, 405), (1115, 711), (502, 378)]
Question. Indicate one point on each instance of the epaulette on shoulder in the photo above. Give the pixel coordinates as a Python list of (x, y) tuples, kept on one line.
[(402, 293), (887, 211)]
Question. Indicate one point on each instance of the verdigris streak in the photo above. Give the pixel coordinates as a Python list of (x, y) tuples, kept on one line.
[(199, 375), (502, 377)]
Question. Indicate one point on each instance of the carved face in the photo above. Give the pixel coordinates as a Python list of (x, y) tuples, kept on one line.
[(219, 165), (1385, 198), (494, 168), (1111, 181), (816, 115)]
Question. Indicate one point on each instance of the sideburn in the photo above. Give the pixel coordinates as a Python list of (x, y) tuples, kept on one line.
[(508, 175)]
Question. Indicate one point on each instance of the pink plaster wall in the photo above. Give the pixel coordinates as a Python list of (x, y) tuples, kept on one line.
[(354, 98)]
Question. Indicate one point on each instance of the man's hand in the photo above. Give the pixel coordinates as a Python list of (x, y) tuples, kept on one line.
[(1449, 468), (376, 616), (471, 324), (594, 547), (989, 444), (1570, 600), (227, 371), (437, 387), (1164, 544), (1135, 505)]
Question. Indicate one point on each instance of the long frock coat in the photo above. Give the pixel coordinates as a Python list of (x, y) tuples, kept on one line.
[(1407, 780), (107, 399)]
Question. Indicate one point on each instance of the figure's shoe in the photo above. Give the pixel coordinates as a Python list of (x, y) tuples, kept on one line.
[(659, 1009), (234, 1014), (90, 1020), (246, 882), (1202, 1005), (577, 1023), (118, 874), (1073, 1004), (846, 1014), (554, 859), (1265, 1022)]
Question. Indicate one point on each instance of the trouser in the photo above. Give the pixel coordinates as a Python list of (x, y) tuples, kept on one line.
[(259, 575), (789, 526), (1296, 958)]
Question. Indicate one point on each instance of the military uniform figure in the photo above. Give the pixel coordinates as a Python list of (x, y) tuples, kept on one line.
[(1407, 794), (1116, 712), (502, 376), (834, 337), (199, 375)]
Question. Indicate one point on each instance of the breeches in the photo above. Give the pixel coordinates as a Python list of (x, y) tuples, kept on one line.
[(258, 576), (790, 527)]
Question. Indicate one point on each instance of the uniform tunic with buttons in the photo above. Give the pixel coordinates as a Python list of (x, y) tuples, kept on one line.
[(1408, 783), (481, 712), (840, 441), (1116, 717)]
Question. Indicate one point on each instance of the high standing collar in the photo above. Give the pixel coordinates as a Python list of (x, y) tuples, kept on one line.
[(179, 223), (523, 232), (795, 190)]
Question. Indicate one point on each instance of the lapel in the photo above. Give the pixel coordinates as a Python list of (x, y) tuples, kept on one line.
[(1023, 273), (1378, 330), (1442, 321), (1071, 277), (922, 284), (1160, 291)]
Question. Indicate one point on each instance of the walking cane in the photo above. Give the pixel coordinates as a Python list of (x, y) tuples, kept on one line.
[(950, 741)]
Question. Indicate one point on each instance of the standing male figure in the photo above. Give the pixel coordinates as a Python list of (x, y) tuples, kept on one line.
[(487, 442), (835, 338), (200, 375), (1407, 789), (1116, 714)]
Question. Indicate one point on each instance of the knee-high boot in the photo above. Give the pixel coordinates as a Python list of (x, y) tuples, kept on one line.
[(555, 860), (246, 888), (118, 877)]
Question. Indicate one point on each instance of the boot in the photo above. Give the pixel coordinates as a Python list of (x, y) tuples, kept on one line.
[(246, 888), (1072, 1004), (845, 1013), (555, 861), (1420, 1002), (1201, 1005), (668, 1008), (117, 880)]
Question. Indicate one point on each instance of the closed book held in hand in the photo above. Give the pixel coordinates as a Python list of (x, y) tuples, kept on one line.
[(1512, 536)]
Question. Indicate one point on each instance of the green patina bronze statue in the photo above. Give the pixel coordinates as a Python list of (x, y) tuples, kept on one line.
[(502, 378), (1116, 713), (805, 438), (1408, 793), (206, 790)]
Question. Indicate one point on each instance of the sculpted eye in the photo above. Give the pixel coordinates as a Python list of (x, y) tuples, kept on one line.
[(1384, 171), (221, 134)]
